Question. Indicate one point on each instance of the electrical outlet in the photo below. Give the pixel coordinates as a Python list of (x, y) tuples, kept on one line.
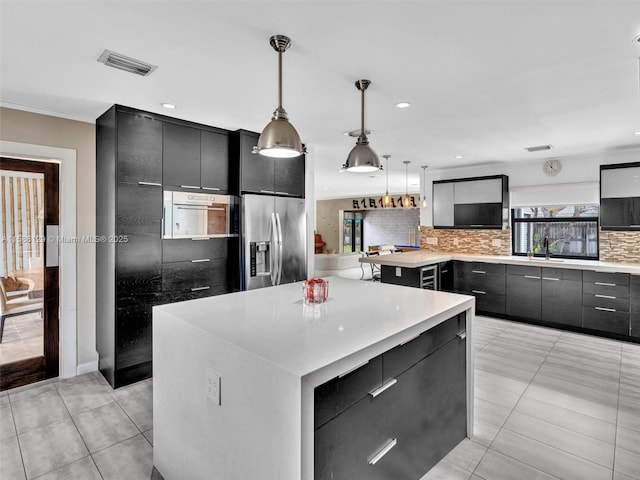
[(212, 386), (432, 240), (496, 242), (455, 241), (398, 272)]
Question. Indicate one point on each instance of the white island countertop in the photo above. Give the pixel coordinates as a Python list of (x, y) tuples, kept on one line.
[(270, 351), (420, 258)]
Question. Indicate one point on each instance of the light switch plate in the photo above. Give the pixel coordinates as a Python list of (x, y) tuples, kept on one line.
[(212, 386), (455, 241)]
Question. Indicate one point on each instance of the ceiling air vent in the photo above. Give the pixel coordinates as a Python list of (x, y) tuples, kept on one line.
[(128, 64), (538, 148)]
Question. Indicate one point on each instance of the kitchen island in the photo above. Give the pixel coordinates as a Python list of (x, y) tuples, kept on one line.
[(246, 384)]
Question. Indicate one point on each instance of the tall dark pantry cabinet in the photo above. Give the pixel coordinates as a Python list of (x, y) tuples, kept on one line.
[(138, 156)]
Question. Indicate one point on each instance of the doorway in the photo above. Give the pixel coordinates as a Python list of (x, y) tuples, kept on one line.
[(351, 232), (29, 272)]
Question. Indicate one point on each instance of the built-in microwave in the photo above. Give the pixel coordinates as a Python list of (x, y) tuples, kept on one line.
[(199, 215)]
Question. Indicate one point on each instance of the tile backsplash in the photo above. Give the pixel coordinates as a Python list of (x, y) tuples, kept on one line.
[(620, 247), (484, 242)]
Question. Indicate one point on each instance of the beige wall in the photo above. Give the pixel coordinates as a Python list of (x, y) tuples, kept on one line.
[(32, 128)]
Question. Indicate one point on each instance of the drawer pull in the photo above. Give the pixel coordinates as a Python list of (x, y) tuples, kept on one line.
[(282, 193), (479, 292), (378, 456), (444, 271), (197, 289), (201, 260), (611, 297), (150, 184), (199, 238), (191, 186), (267, 191), (532, 277), (379, 390), (604, 309), (606, 284), (478, 271), (551, 278), (462, 335), (353, 369), (215, 189)]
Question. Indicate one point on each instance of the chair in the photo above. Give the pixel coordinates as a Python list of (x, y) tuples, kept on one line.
[(16, 306), (375, 268)]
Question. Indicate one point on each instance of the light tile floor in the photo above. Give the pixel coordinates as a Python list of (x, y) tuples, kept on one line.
[(549, 405), (22, 338)]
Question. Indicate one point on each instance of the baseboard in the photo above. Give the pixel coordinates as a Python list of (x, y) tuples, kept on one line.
[(87, 367)]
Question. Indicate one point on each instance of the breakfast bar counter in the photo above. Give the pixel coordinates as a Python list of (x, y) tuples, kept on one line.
[(245, 382)]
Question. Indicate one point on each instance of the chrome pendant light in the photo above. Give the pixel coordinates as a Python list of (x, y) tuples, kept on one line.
[(386, 200), (423, 204), (406, 200), (362, 158), (279, 138)]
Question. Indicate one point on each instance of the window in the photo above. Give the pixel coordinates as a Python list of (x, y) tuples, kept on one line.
[(572, 231)]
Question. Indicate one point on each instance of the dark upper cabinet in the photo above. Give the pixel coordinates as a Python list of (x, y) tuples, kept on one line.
[(620, 196), (195, 158), (214, 161), (260, 174), (181, 156), (139, 148), (479, 202)]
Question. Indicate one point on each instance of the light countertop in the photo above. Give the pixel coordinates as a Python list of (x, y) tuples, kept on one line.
[(421, 258), (274, 324)]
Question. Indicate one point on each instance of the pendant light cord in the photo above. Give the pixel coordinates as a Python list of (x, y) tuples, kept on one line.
[(279, 80), (362, 113)]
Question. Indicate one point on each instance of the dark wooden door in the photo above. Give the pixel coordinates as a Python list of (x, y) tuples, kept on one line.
[(40, 367), (289, 176), (214, 158), (256, 171), (524, 296), (562, 296), (139, 148)]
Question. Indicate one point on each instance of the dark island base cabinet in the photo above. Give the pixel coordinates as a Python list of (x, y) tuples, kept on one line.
[(396, 427), (634, 294)]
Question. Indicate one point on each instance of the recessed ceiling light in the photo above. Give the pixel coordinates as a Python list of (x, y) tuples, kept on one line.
[(403, 104), (637, 133), (168, 105), (458, 156), (538, 148)]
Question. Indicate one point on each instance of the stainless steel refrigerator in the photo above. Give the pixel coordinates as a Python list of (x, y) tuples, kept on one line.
[(274, 241)]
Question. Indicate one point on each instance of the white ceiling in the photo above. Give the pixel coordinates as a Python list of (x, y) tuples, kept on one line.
[(485, 78)]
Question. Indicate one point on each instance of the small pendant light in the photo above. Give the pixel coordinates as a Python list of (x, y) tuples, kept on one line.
[(279, 138), (362, 158), (423, 204), (406, 201), (386, 200)]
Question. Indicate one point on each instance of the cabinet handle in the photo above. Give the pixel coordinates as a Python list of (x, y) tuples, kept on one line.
[(479, 291), (462, 335), (201, 260), (606, 284), (190, 186), (551, 278), (379, 390), (199, 238), (215, 189), (477, 225), (353, 369), (532, 277), (478, 271), (267, 191), (444, 271), (197, 289), (603, 309), (378, 456), (282, 193), (606, 296), (150, 184)]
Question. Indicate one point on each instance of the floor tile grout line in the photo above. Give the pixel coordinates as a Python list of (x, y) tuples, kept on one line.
[(15, 427), (516, 404), (615, 438)]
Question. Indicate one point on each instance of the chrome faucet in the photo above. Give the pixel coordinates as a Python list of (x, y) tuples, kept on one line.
[(545, 245)]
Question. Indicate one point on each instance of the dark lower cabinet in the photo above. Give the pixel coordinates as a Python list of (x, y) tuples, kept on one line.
[(634, 297), (524, 292), (605, 320), (402, 428), (634, 325), (445, 270), (485, 281), (562, 296)]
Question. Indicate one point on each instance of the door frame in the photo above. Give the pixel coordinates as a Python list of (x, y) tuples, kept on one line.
[(67, 353)]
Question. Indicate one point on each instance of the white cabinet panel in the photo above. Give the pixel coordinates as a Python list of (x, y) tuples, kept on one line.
[(478, 191), (443, 204), (620, 182)]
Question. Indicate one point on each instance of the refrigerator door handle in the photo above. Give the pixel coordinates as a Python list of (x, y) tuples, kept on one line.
[(273, 254), (279, 248)]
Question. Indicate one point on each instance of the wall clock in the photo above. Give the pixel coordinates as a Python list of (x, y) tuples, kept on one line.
[(552, 167)]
